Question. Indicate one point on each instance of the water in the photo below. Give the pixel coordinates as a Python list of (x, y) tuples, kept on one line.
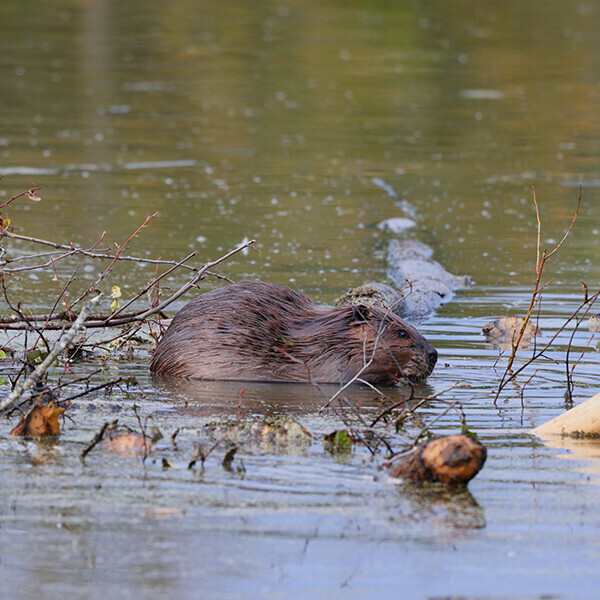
[(304, 125)]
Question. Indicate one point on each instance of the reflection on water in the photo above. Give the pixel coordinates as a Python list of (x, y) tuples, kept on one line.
[(233, 398), (584, 450), (305, 125), (445, 506)]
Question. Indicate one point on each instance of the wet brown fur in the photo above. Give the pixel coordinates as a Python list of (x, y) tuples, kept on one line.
[(256, 331)]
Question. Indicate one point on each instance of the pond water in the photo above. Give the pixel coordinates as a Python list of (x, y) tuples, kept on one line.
[(304, 125)]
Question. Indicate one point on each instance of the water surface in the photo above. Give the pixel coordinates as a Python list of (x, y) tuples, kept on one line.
[(304, 125)]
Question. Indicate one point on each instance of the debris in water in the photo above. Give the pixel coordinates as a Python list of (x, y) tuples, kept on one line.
[(503, 332), (396, 224), (40, 421), (386, 187), (449, 459)]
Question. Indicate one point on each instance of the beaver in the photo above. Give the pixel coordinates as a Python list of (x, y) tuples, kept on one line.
[(257, 331)]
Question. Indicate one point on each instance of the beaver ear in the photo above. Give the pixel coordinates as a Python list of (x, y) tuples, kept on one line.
[(360, 314)]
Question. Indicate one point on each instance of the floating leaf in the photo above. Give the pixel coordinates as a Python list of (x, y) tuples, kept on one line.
[(339, 444), (40, 421), (466, 431), (127, 443), (339, 438)]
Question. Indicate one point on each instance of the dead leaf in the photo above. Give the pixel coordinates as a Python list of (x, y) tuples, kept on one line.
[(41, 420), (115, 295), (127, 443)]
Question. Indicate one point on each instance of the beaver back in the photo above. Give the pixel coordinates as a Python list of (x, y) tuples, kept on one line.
[(257, 331)]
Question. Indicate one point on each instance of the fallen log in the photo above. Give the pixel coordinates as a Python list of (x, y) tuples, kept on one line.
[(449, 459), (581, 420)]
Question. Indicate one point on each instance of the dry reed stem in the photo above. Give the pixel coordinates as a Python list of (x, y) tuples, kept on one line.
[(542, 257)]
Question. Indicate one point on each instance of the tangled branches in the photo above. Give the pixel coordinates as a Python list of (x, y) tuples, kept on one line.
[(75, 309)]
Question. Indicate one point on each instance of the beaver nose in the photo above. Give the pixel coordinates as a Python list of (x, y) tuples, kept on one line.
[(432, 357)]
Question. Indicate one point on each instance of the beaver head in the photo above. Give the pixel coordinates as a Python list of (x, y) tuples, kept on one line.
[(387, 348)]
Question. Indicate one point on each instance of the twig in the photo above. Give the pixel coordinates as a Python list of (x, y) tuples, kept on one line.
[(569, 372), (422, 401), (97, 438), (541, 259), (58, 348), (30, 192), (92, 389), (108, 269), (420, 434), (507, 378), (144, 436), (149, 286), (140, 315)]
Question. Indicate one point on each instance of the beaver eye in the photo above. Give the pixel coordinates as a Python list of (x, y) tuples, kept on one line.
[(403, 334)]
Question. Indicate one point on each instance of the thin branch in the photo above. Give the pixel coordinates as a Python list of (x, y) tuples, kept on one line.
[(30, 192), (422, 401), (140, 315), (115, 258), (420, 434), (58, 348), (570, 227)]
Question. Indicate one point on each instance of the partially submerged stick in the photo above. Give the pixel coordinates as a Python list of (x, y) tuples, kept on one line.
[(583, 419), (449, 459)]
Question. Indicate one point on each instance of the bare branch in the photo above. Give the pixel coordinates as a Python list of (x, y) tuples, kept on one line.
[(59, 347)]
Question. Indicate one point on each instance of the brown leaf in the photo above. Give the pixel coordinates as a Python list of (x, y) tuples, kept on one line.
[(127, 443), (40, 421)]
